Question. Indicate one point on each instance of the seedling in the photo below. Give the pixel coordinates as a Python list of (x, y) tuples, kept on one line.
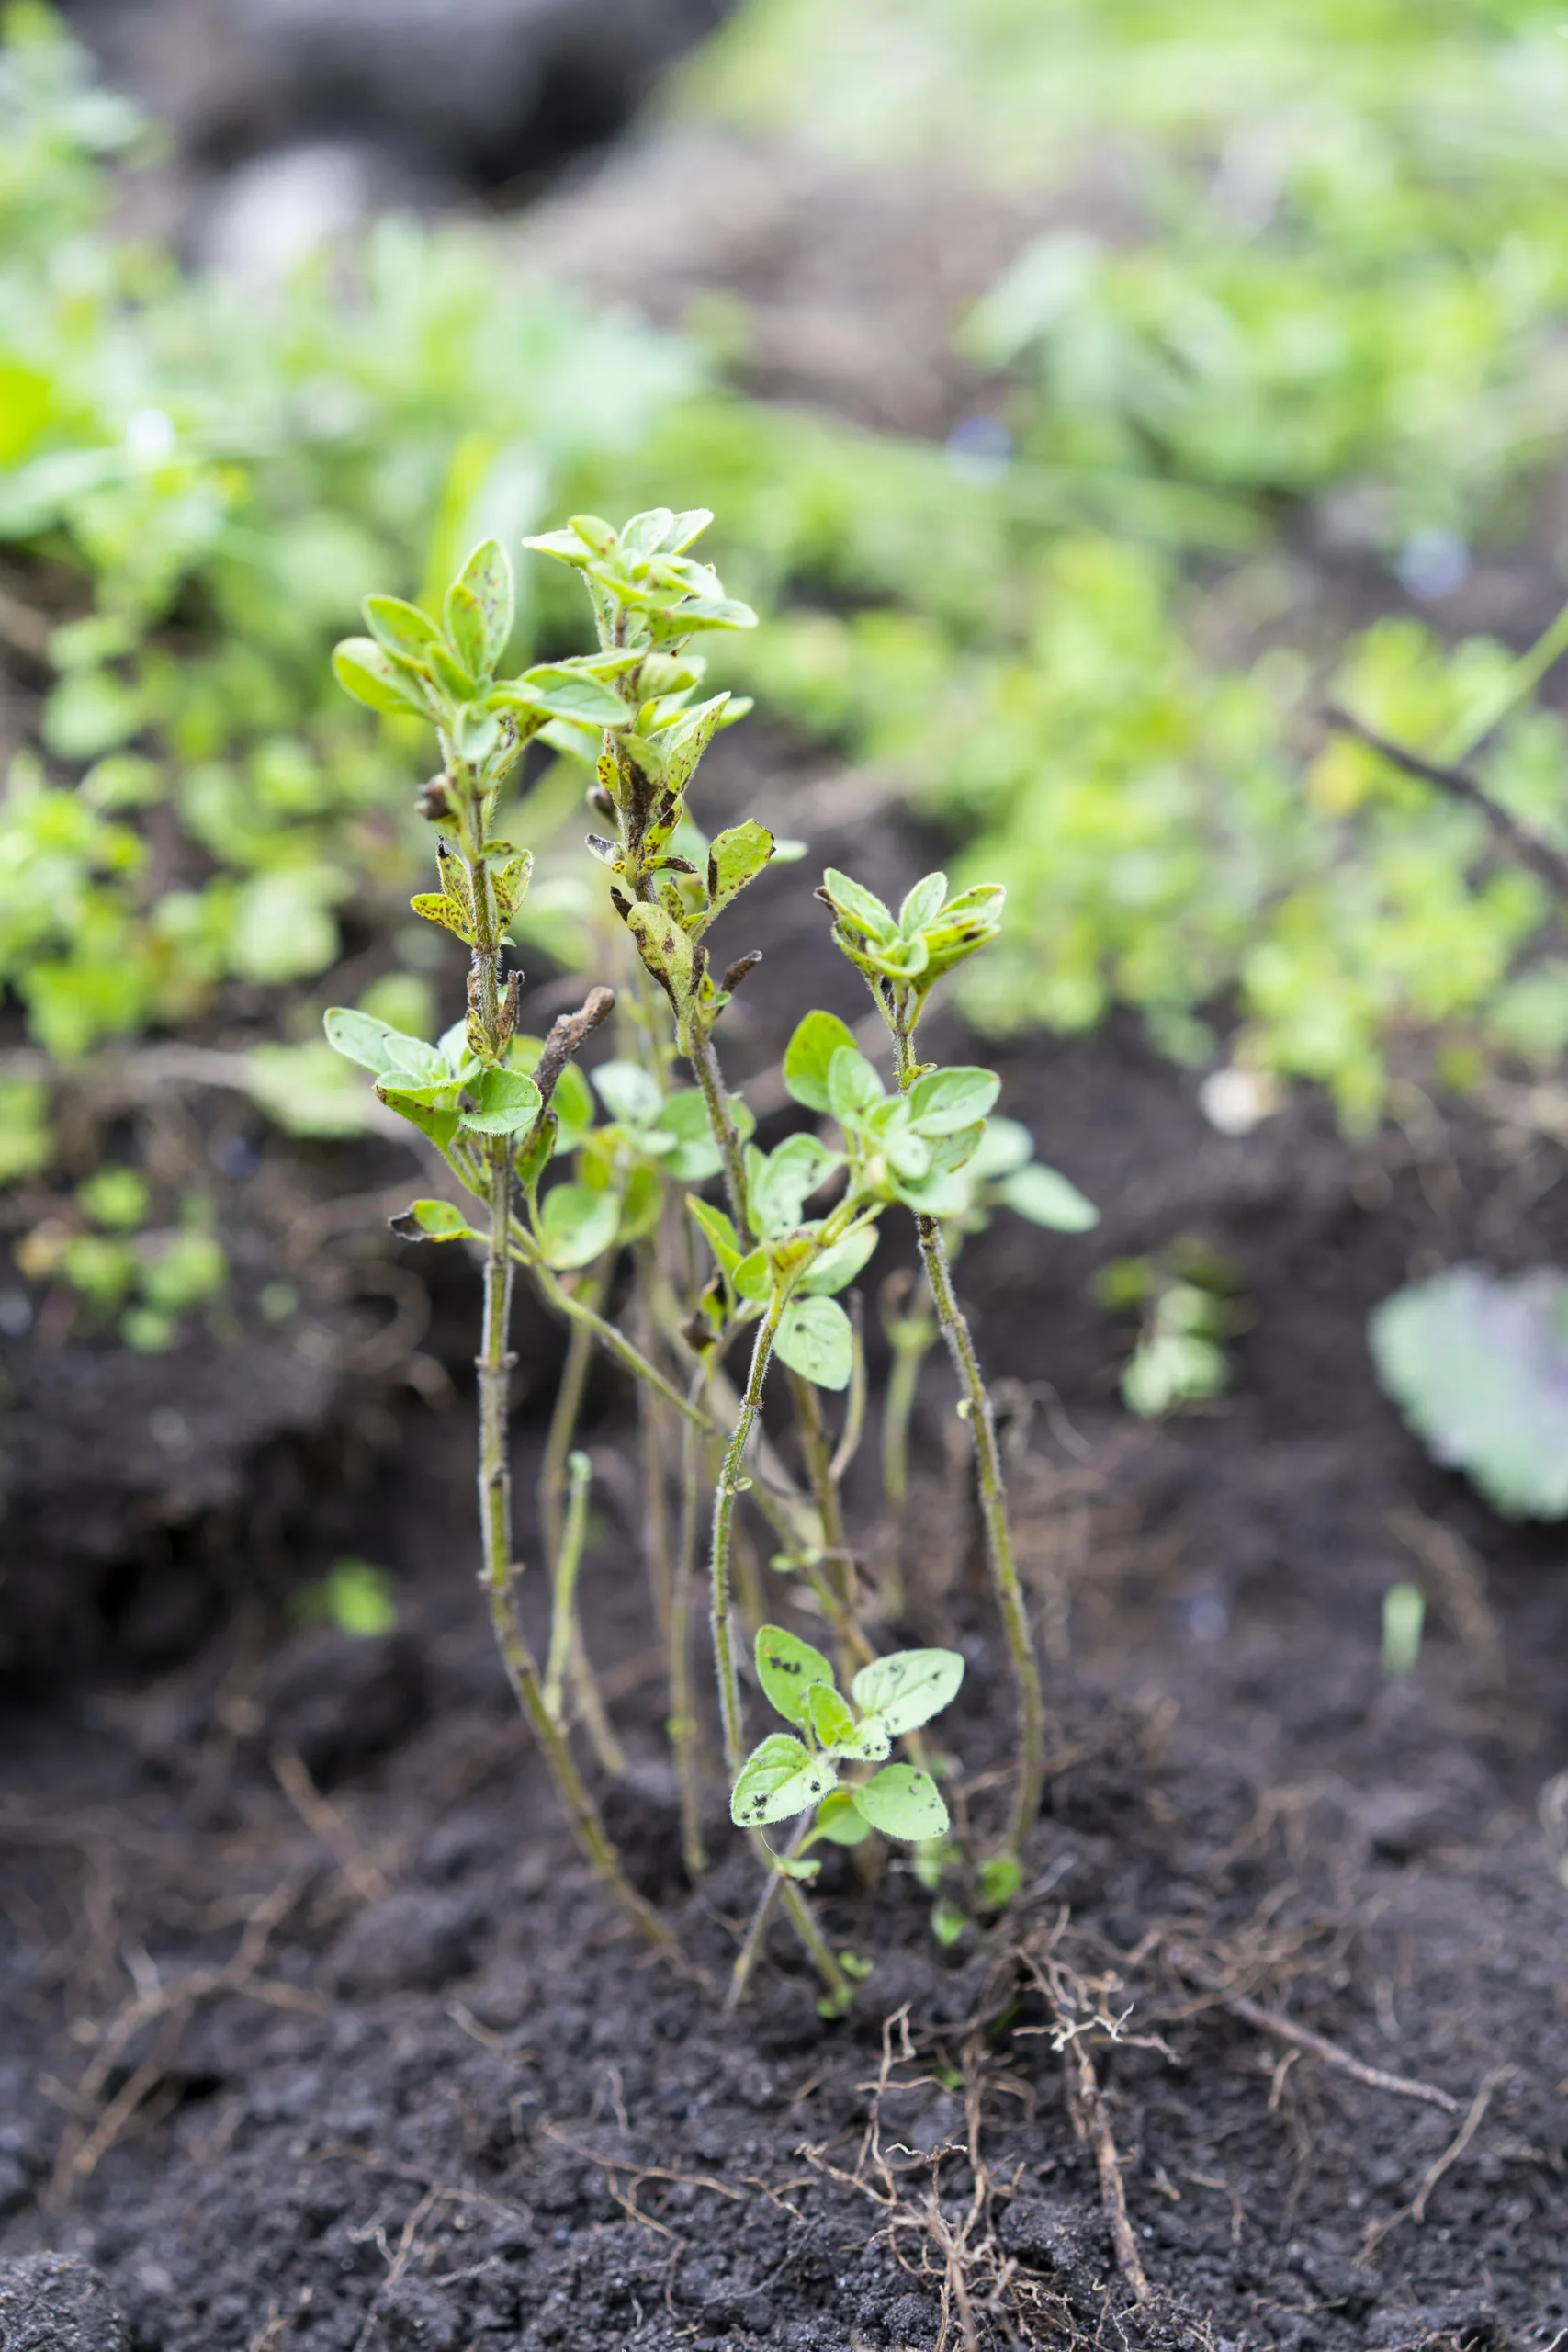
[(1185, 1300), (1403, 1619), (796, 1227)]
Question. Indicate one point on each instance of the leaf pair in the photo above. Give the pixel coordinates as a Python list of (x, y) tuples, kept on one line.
[(927, 937), (446, 672), (784, 1776), (438, 1089)]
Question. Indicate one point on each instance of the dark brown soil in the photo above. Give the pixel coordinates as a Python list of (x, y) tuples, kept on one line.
[(317, 2035)]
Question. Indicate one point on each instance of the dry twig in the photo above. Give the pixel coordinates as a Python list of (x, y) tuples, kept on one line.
[(1283, 2028)]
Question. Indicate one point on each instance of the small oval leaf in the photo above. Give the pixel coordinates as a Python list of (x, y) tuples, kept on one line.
[(903, 1802)]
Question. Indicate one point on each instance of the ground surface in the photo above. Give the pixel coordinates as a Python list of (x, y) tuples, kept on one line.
[(357, 2060)]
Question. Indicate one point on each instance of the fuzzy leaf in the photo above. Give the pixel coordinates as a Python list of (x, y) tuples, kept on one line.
[(1045, 1197), (787, 1669), (505, 1103), (839, 1822), (736, 857), (577, 1224), (808, 1057), (781, 1181), (436, 907), (816, 1340), (903, 1802), (400, 626), (466, 629), (907, 1688), (362, 669), (778, 1779), (721, 1235), (923, 903), (487, 579), (866, 1742), (627, 1091), (434, 1221), (836, 1269), (1478, 1365), (435, 1121), (567, 692), (377, 1046), (665, 950), (860, 907), (945, 1100), (853, 1086)]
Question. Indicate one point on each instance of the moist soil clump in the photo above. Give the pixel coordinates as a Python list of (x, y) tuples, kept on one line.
[(318, 2035)]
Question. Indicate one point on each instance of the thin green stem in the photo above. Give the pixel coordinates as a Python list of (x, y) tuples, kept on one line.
[(495, 1522), (747, 1957), (563, 1583), (608, 1335), (725, 1495), (494, 1369), (683, 1726), (554, 1475), (721, 1126), (1010, 1600)]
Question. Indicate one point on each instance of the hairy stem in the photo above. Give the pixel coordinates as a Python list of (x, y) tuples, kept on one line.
[(494, 1367), (495, 1520), (721, 1126), (955, 1331)]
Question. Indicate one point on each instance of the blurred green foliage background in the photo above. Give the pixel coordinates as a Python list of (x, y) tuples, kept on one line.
[(1311, 262)]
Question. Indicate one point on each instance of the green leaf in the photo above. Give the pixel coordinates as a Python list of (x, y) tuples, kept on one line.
[(665, 950), (908, 1687), (682, 745), (945, 1100), (704, 612), (1045, 1197), (377, 1046), (828, 1715), (577, 1224), (853, 1086), (567, 692), (568, 546), (860, 907), (487, 578), (753, 1277), (505, 1103), (400, 627), (1478, 1366), (439, 1123), (836, 1267), (628, 1092), (362, 669), (432, 1221), (787, 1669), (722, 1237), (781, 1182), (866, 1742), (436, 907), (815, 1338), (808, 1057), (736, 857), (838, 1821), (923, 903), (902, 1801), (778, 1779), (466, 630)]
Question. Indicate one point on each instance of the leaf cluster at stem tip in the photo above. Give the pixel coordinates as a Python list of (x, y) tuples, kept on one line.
[(793, 1772)]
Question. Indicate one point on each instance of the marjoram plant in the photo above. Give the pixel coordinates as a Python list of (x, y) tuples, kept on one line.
[(793, 1229)]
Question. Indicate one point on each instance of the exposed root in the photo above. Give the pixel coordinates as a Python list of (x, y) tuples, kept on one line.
[(1283, 2028), (1416, 2210)]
